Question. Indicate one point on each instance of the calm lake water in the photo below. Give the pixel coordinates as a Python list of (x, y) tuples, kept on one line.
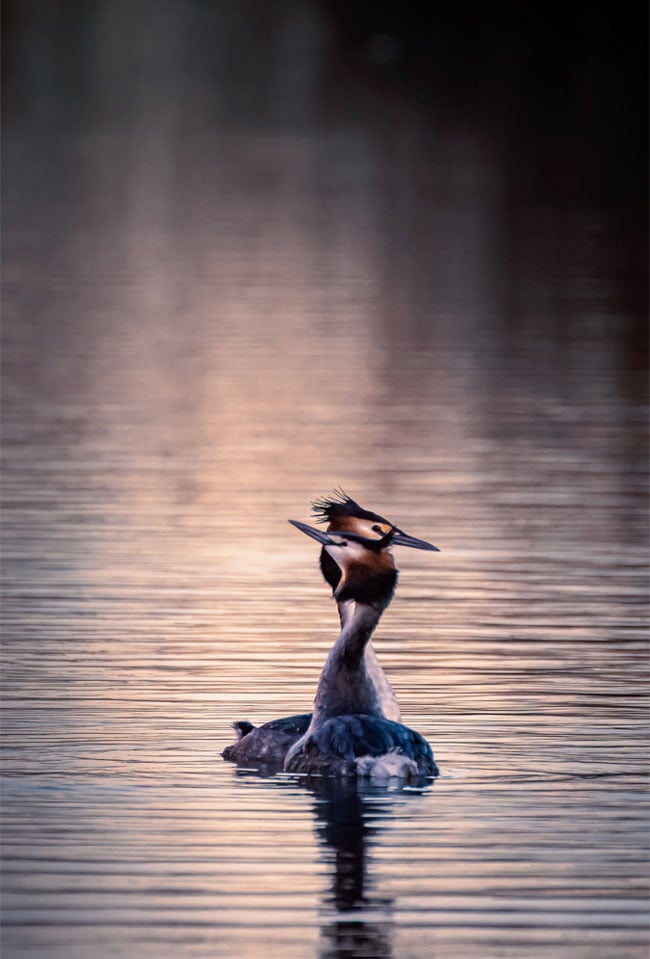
[(220, 302)]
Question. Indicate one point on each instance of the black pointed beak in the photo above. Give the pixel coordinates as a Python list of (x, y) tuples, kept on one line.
[(403, 539), (325, 538), (394, 537), (318, 534)]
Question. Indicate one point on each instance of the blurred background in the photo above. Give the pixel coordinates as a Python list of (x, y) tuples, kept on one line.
[(251, 251)]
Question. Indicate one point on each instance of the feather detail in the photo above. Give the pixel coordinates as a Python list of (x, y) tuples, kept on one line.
[(365, 746), (339, 504)]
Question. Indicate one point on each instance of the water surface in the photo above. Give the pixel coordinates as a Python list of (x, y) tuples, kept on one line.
[(218, 306)]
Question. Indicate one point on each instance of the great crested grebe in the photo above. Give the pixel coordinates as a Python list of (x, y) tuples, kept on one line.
[(355, 728)]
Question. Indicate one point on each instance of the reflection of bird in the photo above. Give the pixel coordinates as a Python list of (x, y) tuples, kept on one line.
[(355, 728), (357, 921), (347, 817)]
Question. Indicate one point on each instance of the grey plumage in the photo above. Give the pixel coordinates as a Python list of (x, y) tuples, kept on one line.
[(267, 744)]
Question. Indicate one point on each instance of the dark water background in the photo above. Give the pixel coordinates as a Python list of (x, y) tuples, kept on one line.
[(252, 251)]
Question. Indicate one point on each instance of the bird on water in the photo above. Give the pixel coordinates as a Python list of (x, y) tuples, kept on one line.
[(355, 729)]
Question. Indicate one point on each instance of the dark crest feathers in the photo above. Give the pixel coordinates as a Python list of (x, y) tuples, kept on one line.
[(324, 509)]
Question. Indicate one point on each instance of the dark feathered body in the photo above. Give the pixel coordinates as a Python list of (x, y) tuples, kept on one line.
[(267, 744), (342, 746)]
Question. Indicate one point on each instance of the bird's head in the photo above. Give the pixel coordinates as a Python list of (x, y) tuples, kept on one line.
[(356, 556)]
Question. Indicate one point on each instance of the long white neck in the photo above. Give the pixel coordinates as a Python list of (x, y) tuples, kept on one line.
[(352, 681)]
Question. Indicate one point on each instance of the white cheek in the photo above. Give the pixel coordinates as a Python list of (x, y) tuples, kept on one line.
[(343, 555), (355, 551)]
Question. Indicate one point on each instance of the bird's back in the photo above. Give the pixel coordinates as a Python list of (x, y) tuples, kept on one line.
[(267, 744), (363, 745)]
